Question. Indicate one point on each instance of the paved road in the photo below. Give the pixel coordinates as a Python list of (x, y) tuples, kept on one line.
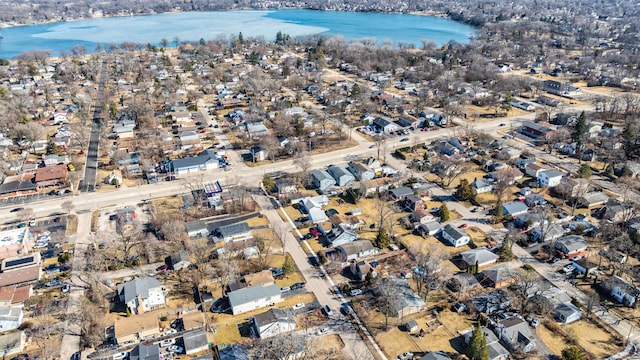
[(354, 348), (91, 165)]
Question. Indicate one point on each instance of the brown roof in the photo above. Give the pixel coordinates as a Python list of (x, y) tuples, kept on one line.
[(377, 182), (193, 320), (343, 219), (15, 294), (259, 278), (20, 276), (51, 173), (125, 326)]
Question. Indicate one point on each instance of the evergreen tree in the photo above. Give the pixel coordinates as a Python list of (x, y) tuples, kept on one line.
[(465, 191), (444, 213), (506, 253), (585, 171), (382, 238), (477, 348), (127, 311), (288, 267), (268, 182), (579, 130), (573, 353)]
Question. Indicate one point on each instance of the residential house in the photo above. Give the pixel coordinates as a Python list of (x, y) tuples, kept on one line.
[(273, 322), (516, 334), (360, 171), (195, 342), (435, 355), (412, 203), (623, 291), (547, 232), (55, 159), (146, 351), (491, 302), (313, 206), (128, 330), (342, 176), (322, 180), (55, 175), (550, 178), (256, 129), (463, 283), (533, 169), (456, 237), (348, 222), (509, 153), (406, 302), (571, 245), (142, 294), (515, 208), (339, 236), (197, 228), (376, 186), (567, 313), (400, 193), (536, 130), (384, 125), (558, 88), (10, 317), (180, 260), (285, 187), (422, 216), (359, 269), (13, 343), (495, 350), (188, 139), (254, 297), (584, 266), (447, 149), (258, 153), (232, 232), (593, 199), (373, 164), (479, 256), (264, 277), (429, 229), (482, 185), (358, 249), (498, 276)]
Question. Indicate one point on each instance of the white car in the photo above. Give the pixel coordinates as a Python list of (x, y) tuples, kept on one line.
[(167, 342), (176, 348), (406, 356), (355, 292), (170, 331), (298, 306), (323, 331), (120, 355)]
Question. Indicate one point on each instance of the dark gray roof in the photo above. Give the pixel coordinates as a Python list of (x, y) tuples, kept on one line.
[(454, 232), (233, 229), (553, 173), (338, 171), (181, 255), (194, 340), (403, 191), (234, 352), (491, 302), (437, 355), (138, 286), (272, 316), (567, 309), (320, 175), (21, 185), (145, 352), (515, 207), (197, 225), (190, 162)]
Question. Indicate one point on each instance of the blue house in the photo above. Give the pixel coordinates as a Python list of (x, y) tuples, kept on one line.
[(515, 208)]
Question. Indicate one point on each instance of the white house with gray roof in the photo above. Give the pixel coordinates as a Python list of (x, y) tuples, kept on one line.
[(455, 236), (233, 232), (142, 294), (550, 178), (254, 297), (322, 179), (361, 171)]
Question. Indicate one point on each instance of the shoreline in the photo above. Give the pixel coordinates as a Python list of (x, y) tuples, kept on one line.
[(5, 25)]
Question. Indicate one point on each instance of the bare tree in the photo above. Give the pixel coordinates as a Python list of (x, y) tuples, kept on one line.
[(527, 283), (67, 206), (502, 181), (303, 162), (383, 211), (386, 298), (26, 214), (428, 263)]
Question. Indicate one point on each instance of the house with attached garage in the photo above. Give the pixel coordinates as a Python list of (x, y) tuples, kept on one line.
[(341, 175), (516, 335), (428, 229), (197, 228), (273, 322), (142, 294), (339, 236), (358, 249), (498, 276), (515, 208), (400, 193), (384, 125), (482, 185), (322, 180), (254, 297), (456, 237), (180, 260), (571, 245)]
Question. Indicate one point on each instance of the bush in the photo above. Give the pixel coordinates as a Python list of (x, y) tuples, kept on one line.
[(163, 318), (64, 258), (400, 155)]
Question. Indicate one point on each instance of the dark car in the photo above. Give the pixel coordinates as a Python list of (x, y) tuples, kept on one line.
[(16, 209), (170, 178), (299, 285), (162, 267), (332, 212), (57, 219)]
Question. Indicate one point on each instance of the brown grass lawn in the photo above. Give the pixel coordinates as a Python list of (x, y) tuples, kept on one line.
[(167, 204), (226, 325), (72, 225), (593, 338), (554, 342), (257, 221)]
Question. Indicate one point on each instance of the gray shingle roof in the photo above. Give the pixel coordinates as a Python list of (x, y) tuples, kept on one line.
[(138, 286), (233, 229), (194, 340), (250, 294)]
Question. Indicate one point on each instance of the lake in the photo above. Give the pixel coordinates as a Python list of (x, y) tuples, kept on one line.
[(193, 26)]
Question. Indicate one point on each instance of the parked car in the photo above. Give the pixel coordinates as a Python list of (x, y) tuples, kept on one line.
[(162, 267), (535, 322), (167, 342), (120, 355), (323, 331), (463, 226), (176, 349), (355, 292), (16, 209), (406, 356), (404, 139), (568, 269), (327, 310), (32, 222), (65, 288), (298, 306), (285, 289)]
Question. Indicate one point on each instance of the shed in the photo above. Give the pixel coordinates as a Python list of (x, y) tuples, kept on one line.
[(410, 326), (567, 313)]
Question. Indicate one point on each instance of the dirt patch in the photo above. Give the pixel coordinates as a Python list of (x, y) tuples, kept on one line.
[(72, 225)]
